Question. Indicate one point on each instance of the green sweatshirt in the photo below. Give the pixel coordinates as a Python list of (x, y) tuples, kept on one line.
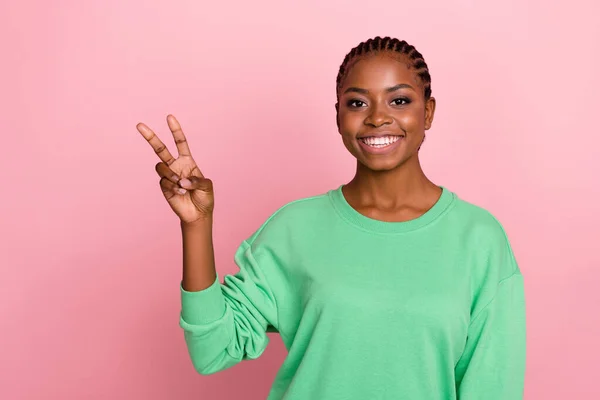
[(431, 308)]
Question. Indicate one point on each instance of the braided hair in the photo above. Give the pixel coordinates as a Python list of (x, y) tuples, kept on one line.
[(378, 44)]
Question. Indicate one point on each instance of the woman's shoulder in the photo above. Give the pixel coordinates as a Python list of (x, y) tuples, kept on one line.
[(476, 217), (295, 214), (485, 235)]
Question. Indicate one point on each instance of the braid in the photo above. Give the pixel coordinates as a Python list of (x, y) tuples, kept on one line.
[(387, 43)]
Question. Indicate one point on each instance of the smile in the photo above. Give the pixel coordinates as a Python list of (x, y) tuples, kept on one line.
[(380, 142), (380, 145)]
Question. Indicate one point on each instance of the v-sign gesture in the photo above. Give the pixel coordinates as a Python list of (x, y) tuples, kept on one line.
[(187, 191)]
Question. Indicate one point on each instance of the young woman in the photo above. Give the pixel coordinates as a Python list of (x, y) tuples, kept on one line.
[(387, 287)]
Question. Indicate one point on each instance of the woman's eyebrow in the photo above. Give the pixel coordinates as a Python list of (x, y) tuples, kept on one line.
[(390, 89)]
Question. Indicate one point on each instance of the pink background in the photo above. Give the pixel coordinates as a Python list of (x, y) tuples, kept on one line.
[(91, 253)]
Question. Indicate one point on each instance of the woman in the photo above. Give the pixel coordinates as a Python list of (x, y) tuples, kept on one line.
[(387, 287)]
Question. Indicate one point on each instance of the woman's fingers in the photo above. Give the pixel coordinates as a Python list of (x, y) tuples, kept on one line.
[(196, 171), (159, 147), (180, 141), (189, 183), (170, 189), (196, 183), (164, 171)]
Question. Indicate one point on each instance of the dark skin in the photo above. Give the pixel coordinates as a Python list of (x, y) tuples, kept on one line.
[(390, 187), (380, 93)]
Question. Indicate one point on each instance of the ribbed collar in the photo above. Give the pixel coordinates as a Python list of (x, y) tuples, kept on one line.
[(354, 217)]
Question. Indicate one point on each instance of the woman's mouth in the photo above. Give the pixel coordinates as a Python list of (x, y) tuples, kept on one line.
[(380, 144)]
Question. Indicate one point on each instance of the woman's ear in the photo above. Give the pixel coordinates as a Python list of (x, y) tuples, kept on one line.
[(337, 115), (429, 112)]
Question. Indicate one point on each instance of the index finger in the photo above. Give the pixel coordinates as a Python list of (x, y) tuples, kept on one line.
[(159, 147)]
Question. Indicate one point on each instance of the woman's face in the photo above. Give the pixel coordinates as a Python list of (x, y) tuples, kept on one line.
[(382, 113)]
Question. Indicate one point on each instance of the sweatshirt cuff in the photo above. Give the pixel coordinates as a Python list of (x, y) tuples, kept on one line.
[(204, 306)]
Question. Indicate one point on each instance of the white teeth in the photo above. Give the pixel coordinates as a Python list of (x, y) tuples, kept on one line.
[(380, 141)]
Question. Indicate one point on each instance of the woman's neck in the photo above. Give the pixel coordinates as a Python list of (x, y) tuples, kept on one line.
[(406, 185)]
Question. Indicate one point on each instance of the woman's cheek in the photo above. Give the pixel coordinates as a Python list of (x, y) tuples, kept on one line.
[(410, 123), (350, 122)]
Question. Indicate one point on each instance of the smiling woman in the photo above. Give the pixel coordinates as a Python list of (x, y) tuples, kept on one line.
[(387, 287), (384, 104)]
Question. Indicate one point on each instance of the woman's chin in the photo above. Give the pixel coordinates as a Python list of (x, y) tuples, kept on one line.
[(381, 165), (385, 163)]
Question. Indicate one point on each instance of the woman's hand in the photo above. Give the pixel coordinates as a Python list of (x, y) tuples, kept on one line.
[(187, 191)]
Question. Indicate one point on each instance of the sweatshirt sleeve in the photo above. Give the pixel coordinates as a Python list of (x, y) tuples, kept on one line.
[(227, 323), (492, 366)]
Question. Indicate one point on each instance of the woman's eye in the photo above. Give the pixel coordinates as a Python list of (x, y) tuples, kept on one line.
[(359, 103), (356, 103), (400, 101)]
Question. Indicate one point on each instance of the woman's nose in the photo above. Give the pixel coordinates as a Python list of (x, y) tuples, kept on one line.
[(378, 117)]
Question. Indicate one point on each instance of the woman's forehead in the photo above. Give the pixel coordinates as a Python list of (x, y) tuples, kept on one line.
[(381, 69)]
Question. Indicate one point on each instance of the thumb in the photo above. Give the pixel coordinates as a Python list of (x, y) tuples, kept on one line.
[(196, 183)]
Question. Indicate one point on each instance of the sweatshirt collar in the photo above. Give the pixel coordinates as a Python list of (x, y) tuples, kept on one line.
[(354, 217)]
